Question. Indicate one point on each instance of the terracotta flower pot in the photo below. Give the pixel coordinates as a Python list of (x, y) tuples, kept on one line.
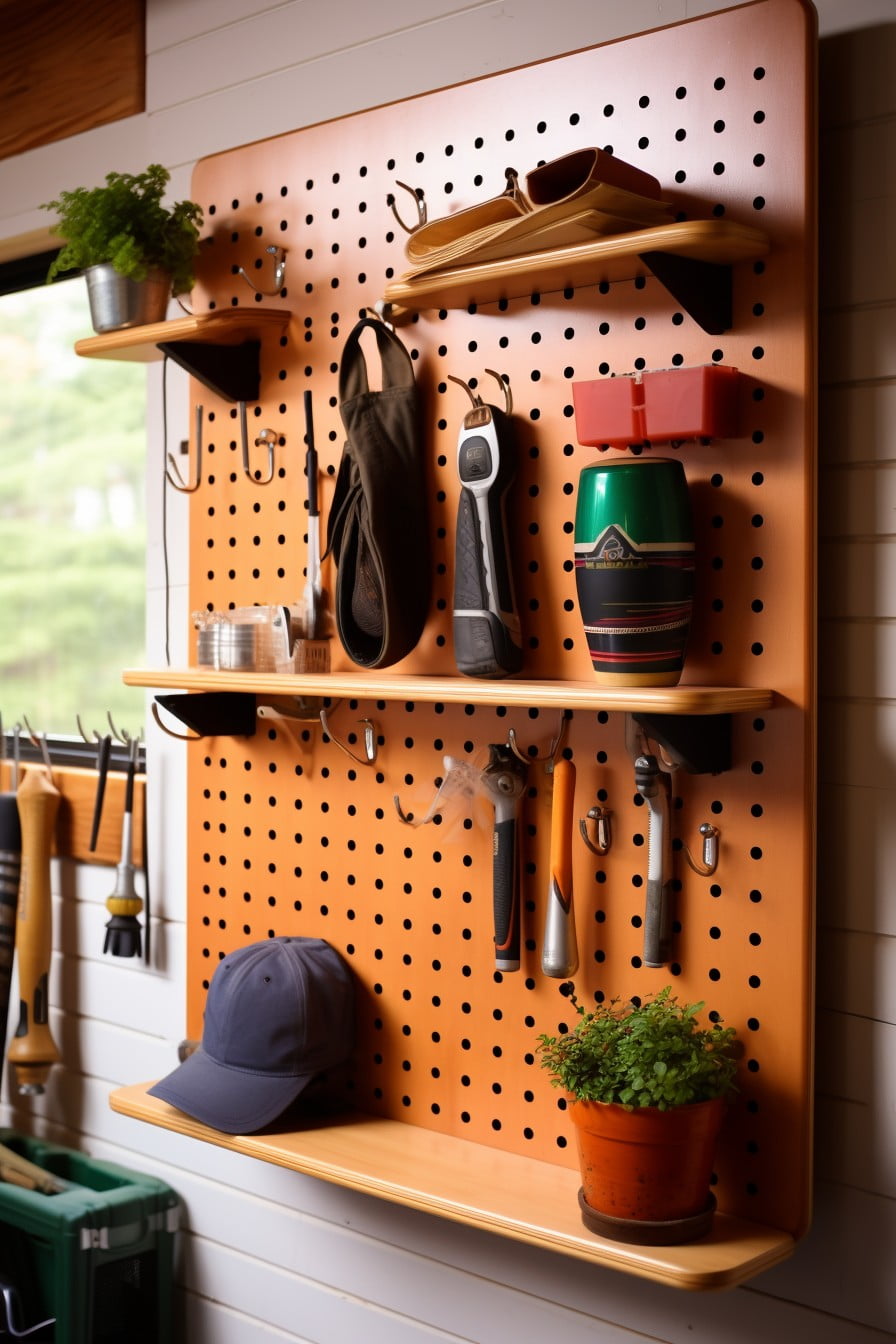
[(645, 1172)]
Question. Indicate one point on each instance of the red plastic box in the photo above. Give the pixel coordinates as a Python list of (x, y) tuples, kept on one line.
[(659, 407)]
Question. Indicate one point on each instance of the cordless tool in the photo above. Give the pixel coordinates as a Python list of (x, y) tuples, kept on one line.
[(486, 623)]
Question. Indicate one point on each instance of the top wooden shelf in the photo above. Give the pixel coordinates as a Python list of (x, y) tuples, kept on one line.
[(230, 326), (692, 259), (585, 695)]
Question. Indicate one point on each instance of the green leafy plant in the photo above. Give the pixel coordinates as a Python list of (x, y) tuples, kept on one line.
[(648, 1053), (125, 224)]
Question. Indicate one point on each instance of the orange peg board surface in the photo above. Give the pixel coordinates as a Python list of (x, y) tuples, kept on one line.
[(289, 835)]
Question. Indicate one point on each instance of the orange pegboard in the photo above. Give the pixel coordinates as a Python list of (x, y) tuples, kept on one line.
[(287, 834)]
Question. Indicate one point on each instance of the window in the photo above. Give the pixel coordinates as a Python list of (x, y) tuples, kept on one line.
[(72, 519)]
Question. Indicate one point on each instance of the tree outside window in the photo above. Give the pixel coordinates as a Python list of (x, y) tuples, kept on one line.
[(72, 519)]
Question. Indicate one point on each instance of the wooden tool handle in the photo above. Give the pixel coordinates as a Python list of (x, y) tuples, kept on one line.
[(562, 823), (559, 955), (32, 1049)]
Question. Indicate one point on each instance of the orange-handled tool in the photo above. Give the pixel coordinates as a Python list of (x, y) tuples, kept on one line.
[(559, 953), (32, 1051)]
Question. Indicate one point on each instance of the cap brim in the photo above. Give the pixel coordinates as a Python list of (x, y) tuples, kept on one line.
[(236, 1101)]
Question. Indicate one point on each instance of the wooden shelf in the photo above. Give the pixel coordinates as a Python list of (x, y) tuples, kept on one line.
[(692, 700), (143, 345), (691, 259), (529, 1201)]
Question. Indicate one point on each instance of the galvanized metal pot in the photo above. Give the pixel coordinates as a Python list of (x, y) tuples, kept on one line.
[(117, 302)]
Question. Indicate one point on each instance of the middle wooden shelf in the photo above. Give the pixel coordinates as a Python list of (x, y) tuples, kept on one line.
[(584, 695)]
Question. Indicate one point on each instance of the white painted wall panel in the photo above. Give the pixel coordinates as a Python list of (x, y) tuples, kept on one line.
[(857, 578), (858, 501), (855, 884), (859, 423), (858, 658)]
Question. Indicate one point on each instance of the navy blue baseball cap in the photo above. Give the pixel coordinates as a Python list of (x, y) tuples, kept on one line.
[(278, 1014)]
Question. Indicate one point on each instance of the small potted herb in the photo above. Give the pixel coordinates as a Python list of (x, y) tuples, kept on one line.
[(646, 1087), (131, 248)]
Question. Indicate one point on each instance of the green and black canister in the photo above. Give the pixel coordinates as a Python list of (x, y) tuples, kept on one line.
[(634, 561)]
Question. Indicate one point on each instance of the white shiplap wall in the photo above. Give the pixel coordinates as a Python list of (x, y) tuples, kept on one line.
[(268, 1255)]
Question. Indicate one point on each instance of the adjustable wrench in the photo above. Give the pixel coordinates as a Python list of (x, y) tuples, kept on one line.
[(504, 780)]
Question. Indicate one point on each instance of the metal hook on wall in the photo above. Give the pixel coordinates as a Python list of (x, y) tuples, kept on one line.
[(169, 732), (279, 255), (419, 202), (475, 397), (266, 437), (370, 746), (185, 487), (601, 816), (710, 836), (554, 748), (41, 743)]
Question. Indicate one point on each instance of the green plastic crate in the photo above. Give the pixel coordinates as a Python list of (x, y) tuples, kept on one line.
[(98, 1256)]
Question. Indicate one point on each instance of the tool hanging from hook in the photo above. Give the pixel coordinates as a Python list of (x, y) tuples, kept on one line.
[(123, 933), (560, 953), (487, 639), (32, 1051), (504, 782)]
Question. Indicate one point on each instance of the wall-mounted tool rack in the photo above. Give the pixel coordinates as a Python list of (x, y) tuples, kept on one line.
[(289, 834)]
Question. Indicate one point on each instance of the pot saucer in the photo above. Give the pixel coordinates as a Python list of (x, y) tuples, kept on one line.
[(642, 1232)]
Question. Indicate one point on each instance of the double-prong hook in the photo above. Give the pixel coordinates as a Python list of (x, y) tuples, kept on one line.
[(553, 749), (475, 397), (419, 202), (279, 255)]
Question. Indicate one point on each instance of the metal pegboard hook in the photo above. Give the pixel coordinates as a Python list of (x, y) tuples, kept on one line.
[(556, 743), (122, 735), (187, 487), (505, 388), (600, 815), (279, 255), (370, 747), (91, 741), (419, 202), (40, 741), (266, 437), (169, 732), (710, 836), (475, 397)]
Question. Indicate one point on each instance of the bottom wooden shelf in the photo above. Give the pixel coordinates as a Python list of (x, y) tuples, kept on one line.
[(529, 1201)]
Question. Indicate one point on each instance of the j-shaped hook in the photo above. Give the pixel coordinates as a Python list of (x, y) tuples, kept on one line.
[(601, 816), (266, 437), (475, 397), (369, 740), (180, 484), (710, 862), (279, 255), (419, 202), (553, 749)]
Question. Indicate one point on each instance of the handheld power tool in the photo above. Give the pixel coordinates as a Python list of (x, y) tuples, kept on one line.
[(486, 623)]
